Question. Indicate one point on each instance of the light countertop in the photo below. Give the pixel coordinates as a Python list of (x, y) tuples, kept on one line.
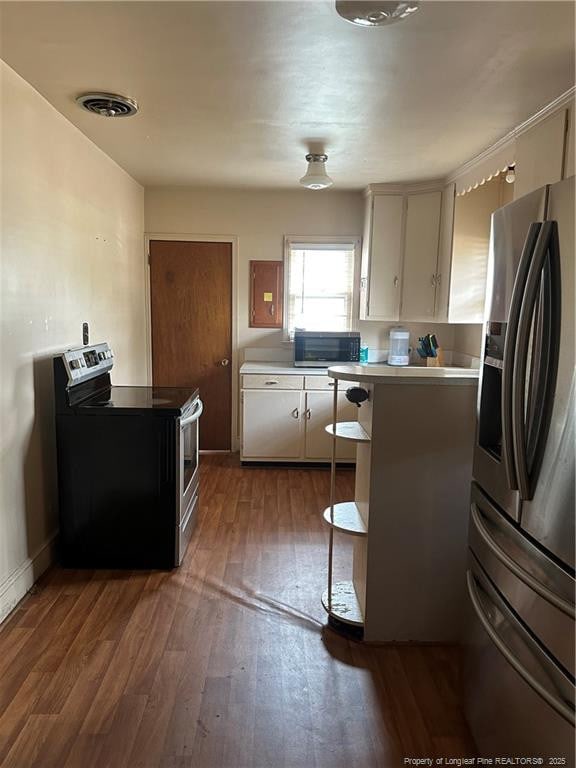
[(371, 373), (413, 374)]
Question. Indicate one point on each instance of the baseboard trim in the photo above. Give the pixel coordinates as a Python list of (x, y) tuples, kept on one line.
[(21, 580)]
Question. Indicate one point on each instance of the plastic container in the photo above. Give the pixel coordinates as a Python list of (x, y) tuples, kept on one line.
[(377, 355), (363, 354), (399, 347)]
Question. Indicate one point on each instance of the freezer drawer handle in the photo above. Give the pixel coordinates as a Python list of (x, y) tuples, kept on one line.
[(194, 416), (527, 578), (561, 707)]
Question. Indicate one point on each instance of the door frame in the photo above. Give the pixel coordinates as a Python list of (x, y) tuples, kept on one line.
[(188, 238)]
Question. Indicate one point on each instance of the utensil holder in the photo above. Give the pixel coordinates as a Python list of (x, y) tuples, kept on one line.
[(436, 362)]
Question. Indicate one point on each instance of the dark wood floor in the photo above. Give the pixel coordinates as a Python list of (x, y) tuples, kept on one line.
[(225, 662)]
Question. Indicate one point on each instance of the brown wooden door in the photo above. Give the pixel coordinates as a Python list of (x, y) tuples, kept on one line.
[(191, 306)]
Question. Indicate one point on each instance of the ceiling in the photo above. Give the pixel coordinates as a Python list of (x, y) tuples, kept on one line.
[(236, 93)]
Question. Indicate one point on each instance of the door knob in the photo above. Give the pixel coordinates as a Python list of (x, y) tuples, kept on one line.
[(224, 362)]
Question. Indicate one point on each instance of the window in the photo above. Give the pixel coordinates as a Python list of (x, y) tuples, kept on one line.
[(320, 284)]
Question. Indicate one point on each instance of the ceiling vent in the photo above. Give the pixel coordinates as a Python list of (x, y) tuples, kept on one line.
[(376, 13), (108, 104)]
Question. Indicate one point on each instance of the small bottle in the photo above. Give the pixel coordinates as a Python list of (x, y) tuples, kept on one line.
[(363, 354)]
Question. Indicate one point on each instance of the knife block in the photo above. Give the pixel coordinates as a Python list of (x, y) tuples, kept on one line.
[(436, 362)]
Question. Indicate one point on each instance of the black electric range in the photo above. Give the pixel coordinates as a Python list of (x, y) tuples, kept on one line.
[(158, 401), (127, 466)]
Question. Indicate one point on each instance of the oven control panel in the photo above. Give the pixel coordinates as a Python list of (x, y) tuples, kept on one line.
[(85, 363)]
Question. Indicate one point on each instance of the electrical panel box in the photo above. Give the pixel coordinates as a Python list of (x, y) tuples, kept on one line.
[(266, 294)]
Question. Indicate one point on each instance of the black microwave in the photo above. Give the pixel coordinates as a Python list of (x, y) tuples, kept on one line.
[(319, 349)]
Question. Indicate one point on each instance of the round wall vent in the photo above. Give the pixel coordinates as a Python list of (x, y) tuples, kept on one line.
[(108, 104)]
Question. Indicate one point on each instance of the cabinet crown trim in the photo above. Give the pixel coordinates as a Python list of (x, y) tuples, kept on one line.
[(506, 143), (405, 189)]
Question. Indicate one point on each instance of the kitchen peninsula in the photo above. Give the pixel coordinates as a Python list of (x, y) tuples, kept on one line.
[(409, 517)]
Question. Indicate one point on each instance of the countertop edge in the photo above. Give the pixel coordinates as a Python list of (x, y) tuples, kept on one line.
[(411, 375), (255, 367)]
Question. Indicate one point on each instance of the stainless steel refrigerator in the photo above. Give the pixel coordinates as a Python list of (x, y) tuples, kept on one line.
[(520, 634)]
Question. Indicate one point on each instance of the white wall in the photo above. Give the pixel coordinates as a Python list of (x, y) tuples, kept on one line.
[(259, 219), (468, 339), (71, 250), (540, 154), (376, 335)]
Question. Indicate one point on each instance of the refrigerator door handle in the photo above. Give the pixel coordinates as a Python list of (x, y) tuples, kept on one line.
[(543, 281), (510, 352), (512, 565), (502, 617)]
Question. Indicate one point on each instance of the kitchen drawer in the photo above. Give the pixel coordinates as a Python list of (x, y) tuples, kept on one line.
[(272, 381), (326, 383)]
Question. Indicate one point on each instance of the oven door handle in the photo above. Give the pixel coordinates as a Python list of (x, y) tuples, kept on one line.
[(193, 416)]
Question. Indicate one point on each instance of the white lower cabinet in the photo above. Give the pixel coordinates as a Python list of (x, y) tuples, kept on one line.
[(289, 424), (318, 413), (271, 424)]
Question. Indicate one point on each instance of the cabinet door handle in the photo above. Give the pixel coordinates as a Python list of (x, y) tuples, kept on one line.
[(272, 381), (331, 383), (395, 281), (307, 413), (438, 278), (433, 280), (295, 413)]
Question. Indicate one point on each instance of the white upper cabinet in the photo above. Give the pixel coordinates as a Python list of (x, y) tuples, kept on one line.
[(400, 254), (425, 250), (540, 154), (445, 254), (420, 277), (382, 258)]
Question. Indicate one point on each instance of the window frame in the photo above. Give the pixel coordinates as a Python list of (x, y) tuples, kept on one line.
[(294, 240)]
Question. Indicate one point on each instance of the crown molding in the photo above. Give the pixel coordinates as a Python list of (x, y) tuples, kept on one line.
[(562, 101), (403, 189), (507, 141), (498, 148)]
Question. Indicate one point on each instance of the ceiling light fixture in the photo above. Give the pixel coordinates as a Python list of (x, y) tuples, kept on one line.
[(375, 13), (316, 176), (107, 104), (511, 174)]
